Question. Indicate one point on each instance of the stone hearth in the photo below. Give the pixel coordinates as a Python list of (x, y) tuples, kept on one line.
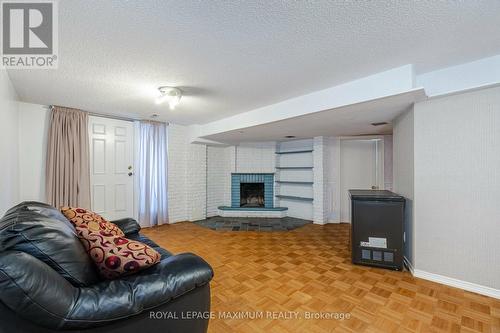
[(252, 224)]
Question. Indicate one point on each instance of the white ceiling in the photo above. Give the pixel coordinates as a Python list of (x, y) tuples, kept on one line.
[(354, 119), (234, 56)]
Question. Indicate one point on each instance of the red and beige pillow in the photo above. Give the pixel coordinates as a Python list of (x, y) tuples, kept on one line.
[(86, 219), (113, 254)]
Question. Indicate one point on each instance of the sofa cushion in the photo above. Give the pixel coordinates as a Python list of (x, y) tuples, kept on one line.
[(84, 218), (128, 225), (43, 232), (148, 289)]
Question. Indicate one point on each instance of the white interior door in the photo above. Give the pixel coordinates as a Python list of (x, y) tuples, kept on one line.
[(111, 167), (361, 167)]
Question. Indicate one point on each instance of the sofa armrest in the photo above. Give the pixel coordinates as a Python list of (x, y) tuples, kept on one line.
[(128, 296), (34, 291), (38, 294), (128, 225)]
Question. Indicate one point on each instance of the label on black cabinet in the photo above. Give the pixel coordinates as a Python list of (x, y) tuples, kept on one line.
[(375, 242)]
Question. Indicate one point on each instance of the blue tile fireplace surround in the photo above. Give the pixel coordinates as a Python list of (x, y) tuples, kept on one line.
[(264, 178)]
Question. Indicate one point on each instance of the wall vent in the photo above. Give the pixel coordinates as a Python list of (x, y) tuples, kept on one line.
[(380, 123)]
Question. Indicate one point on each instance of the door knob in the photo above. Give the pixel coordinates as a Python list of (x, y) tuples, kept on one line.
[(374, 187), (130, 174)]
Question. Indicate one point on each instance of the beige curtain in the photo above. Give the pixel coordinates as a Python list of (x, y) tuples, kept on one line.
[(67, 172)]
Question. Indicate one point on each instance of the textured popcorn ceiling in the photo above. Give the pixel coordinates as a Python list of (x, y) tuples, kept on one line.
[(234, 56)]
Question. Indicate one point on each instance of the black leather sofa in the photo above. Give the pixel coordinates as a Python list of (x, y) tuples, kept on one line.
[(49, 284)]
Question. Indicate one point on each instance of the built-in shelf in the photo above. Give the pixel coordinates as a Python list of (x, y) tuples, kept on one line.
[(296, 168), (292, 197), (294, 152), (293, 182)]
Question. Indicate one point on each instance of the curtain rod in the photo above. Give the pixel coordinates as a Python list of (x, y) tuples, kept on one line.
[(110, 116)]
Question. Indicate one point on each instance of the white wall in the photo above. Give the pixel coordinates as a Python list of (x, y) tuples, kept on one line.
[(196, 182), (186, 176), (403, 179), (220, 165), (177, 191), (230, 163), (457, 187), (388, 162), (9, 165), (464, 76), (217, 170), (320, 158), (258, 157), (332, 192), (33, 127)]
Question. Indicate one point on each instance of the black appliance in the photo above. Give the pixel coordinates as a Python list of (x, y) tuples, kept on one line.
[(377, 228)]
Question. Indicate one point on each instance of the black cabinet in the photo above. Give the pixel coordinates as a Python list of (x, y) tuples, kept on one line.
[(377, 228)]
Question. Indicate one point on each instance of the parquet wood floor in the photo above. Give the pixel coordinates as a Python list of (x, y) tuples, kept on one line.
[(309, 270)]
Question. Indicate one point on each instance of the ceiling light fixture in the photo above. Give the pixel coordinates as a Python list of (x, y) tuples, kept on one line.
[(171, 95)]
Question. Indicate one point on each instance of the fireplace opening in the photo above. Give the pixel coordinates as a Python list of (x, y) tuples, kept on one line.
[(251, 194)]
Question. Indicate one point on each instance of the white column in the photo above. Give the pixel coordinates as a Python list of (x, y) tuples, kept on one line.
[(319, 207)]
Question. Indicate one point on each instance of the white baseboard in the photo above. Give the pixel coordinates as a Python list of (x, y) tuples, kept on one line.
[(473, 287), (327, 222)]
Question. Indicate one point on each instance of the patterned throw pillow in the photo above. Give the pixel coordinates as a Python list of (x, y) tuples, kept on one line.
[(116, 256), (113, 254), (83, 218)]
